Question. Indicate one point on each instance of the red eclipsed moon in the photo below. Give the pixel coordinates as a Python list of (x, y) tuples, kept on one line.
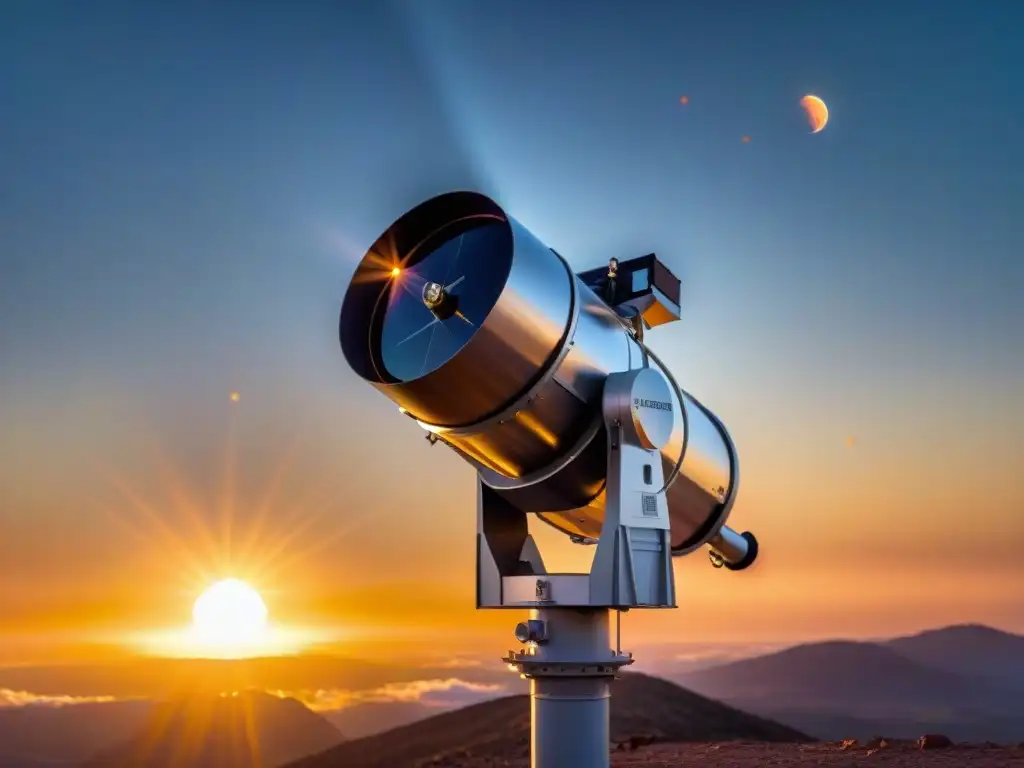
[(817, 112)]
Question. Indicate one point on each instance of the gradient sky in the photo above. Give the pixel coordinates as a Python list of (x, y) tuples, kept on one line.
[(185, 191)]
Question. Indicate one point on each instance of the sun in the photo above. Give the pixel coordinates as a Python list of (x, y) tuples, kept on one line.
[(230, 615), (231, 621)]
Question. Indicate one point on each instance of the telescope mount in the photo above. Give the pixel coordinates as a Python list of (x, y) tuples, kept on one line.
[(566, 652)]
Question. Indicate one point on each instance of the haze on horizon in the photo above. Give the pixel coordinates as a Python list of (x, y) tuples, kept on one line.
[(186, 192)]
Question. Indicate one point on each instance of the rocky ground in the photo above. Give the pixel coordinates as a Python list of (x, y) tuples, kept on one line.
[(784, 756), (760, 755)]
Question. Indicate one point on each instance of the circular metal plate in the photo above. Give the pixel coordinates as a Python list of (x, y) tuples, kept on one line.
[(651, 409)]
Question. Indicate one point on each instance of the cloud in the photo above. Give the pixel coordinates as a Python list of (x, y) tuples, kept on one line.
[(723, 653), (9, 698), (457, 663), (441, 693), (448, 693)]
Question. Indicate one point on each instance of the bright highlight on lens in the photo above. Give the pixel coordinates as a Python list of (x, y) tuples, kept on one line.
[(395, 271)]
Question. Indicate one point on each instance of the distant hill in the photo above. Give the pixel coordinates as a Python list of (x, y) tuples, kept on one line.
[(901, 688), (640, 705), (821, 673), (368, 718), (50, 735), (242, 730), (967, 649)]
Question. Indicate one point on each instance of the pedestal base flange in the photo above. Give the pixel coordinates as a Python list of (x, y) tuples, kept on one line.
[(529, 666)]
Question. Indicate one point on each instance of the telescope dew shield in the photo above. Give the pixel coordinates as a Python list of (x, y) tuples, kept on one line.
[(504, 317), (509, 307), (487, 338)]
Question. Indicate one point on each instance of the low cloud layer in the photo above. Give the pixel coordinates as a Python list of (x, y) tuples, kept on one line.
[(457, 663), (440, 693), (9, 698), (443, 694), (722, 654)]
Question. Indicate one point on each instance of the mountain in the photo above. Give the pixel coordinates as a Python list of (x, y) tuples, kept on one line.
[(967, 649), (901, 688), (500, 728), (368, 718), (864, 674), (52, 735), (242, 730)]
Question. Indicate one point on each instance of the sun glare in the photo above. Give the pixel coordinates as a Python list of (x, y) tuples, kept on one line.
[(229, 614)]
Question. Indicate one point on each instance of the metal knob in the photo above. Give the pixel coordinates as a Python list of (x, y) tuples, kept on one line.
[(531, 631)]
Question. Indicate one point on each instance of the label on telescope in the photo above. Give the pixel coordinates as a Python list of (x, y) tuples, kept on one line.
[(651, 411), (657, 405)]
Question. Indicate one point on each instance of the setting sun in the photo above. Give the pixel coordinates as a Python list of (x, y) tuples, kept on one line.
[(230, 620), (230, 613)]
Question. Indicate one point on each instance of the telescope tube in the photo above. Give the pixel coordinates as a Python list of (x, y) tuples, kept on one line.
[(487, 338)]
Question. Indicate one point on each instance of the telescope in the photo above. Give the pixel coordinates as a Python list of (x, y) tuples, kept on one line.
[(540, 379)]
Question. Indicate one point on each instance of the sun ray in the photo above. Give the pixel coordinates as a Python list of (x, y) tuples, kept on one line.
[(252, 739), (186, 506), (277, 531), (316, 546), (227, 494), (268, 498), (171, 541), (293, 519)]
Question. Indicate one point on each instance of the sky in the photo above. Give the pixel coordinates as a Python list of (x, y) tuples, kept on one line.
[(186, 189)]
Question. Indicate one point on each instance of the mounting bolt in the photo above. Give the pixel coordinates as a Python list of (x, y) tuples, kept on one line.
[(543, 591)]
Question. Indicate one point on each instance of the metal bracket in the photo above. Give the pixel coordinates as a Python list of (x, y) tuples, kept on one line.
[(632, 566)]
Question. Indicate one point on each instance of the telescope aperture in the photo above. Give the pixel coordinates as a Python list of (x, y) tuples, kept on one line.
[(444, 293)]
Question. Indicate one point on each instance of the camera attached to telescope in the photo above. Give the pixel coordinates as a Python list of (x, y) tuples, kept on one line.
[(539, 378), (643, 285)]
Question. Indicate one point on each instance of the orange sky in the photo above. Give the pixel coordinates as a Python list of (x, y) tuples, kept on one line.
[(122, 521)]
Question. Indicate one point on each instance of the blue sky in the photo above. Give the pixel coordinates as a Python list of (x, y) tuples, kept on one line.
[(185, 191)]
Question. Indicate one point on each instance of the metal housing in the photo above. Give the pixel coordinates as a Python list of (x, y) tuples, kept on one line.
[(521, 400)]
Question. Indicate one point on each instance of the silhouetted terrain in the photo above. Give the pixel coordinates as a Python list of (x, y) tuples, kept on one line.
[(965, 681), (369, 718), (761, 755), (500, 729), (237, 731), (47, 735), (934, 681), (970, 649)]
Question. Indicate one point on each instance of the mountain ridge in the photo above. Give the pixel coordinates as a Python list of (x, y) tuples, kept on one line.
[(949, 678), (641, 705), (240, 730)]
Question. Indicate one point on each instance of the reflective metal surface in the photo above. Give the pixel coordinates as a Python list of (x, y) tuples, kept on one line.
[(735, 551), (599, 347), (495, 355), (697, 462), (515, 385)]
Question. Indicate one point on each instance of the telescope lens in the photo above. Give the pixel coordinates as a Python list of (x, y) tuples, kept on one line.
[(469, 263)]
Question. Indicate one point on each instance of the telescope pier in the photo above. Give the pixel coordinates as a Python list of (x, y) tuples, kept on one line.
[(570, 665)]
